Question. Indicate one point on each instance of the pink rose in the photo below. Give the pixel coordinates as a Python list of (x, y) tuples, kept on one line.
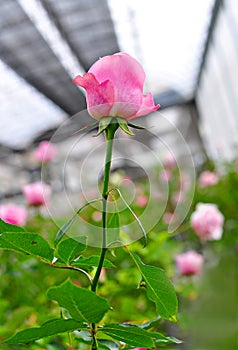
[(189, 263), (178, 197), (45, 152), (207, 221), (37, 193), (13, 214), (114, 87), (185, 181), (165, 175), (207, 178), (170, 161), (167, 217), (97, 216), (126, 181), (141, 201)]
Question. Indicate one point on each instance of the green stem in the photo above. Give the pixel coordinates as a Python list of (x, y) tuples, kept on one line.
[(110, 132)]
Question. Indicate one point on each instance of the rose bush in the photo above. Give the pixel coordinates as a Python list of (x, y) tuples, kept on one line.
[(128, 301), (128, 316)]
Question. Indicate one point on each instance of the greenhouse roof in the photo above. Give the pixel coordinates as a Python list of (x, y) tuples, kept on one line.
[(45, 43)]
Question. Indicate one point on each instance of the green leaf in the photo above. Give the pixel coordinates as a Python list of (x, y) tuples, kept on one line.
[(159, 289), (166, 340), (161, 339), (5, 227), (27, 243), (62, 231), (124, 126), (83, 341), (83, 336), (82, 304), (92, 261), (150, 324), (133, 214), (70, 248), (47, 329), (131, 335), (103, 124), (107, 344)]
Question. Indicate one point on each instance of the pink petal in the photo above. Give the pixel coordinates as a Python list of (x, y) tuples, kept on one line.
[(124, 109), (147, 106), (100, 97), (127, 77)]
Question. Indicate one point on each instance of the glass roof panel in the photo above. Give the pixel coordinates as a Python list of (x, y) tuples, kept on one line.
[(166, 36), (25, 113)]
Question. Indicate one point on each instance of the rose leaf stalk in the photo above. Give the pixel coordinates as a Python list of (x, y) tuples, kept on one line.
[(109, 133)]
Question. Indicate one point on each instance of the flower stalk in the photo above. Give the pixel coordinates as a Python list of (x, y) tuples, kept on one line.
[(109, 133)]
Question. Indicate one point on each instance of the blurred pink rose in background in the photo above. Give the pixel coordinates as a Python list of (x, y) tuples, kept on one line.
[(207, 221), (127, 181), (114, 87), (207, 178), (167, 217), (13, 214), (170, 161), (45, 152), (97, 216), (178, 197), (189, 263), (165, 175), (141, 200), (37, 193), (185, 181)]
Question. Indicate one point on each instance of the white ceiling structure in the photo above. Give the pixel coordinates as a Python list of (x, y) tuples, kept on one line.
[(167, 37)]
